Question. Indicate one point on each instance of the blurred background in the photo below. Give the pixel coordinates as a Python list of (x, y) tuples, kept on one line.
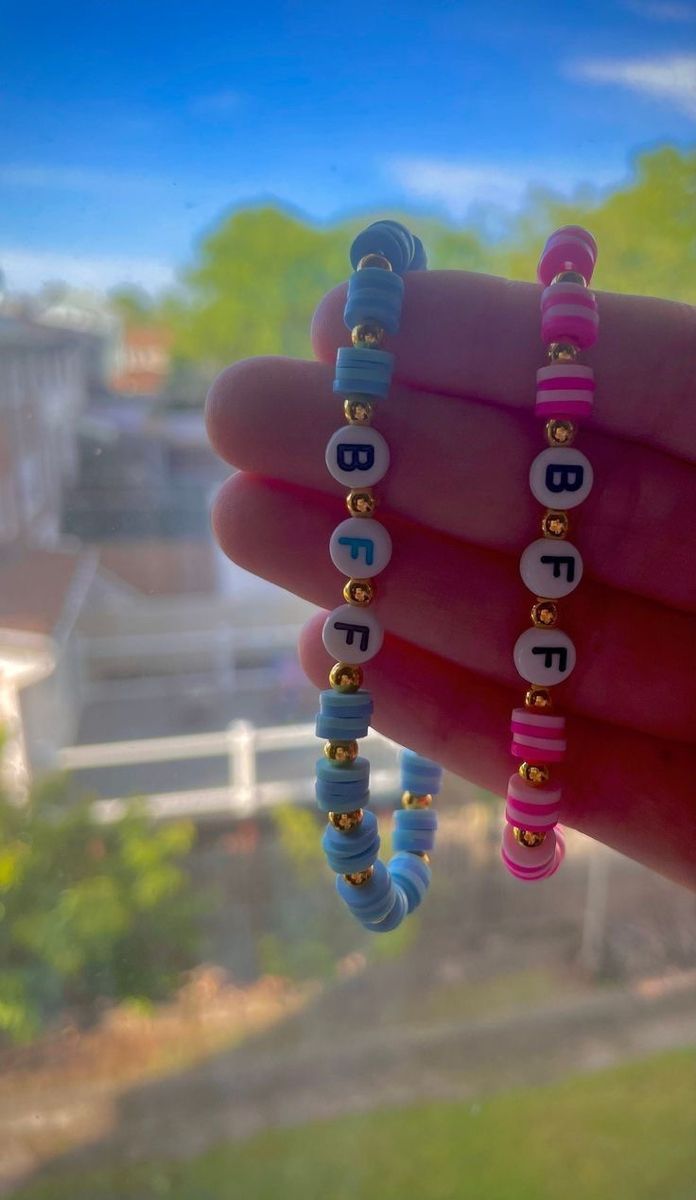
[(185, 1008)]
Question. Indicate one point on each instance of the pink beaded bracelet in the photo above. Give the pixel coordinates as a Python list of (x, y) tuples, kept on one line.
[(560, 478)]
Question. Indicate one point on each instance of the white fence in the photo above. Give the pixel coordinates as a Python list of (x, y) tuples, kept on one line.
[(241, 744)]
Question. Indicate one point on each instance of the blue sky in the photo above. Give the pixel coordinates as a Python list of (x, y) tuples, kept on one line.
[(127, 128)]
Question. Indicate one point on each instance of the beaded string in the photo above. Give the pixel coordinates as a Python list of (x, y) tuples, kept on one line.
[(560, 478), (357, 456)]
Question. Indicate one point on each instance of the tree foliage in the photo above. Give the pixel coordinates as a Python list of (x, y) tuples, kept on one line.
[(89, 912)]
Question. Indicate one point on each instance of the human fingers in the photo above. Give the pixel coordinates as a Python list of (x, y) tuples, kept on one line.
[(632, 792), (469, 605), (462, 468), (467, 334)]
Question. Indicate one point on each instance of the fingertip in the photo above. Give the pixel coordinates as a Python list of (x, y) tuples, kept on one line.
[(328, 329), (236, 402)]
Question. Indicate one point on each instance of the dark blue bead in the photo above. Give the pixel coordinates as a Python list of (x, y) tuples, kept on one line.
[(388, 238)]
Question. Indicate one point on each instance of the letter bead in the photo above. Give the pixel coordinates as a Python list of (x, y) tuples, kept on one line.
[(357, 456), (351, 636), (551, 569), (361, 546), (544, 656), (561, 477)]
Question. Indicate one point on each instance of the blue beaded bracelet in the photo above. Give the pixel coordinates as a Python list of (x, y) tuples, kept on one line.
[(380, 896)]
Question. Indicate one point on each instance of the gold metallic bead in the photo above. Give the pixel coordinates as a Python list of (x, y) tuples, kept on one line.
[(538, 698), (525, 837), (374, 260), (345, 677), (569, 277), (424, 855), (358, 410), (560, 432), (368, 336), (359, 878), (544, 614), (347, 820), (341, 752), (555, 524), (361, 502), (534, 774), (359, 592), (416, 800), (562, 352)]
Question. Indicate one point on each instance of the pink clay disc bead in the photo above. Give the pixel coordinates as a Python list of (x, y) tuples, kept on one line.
[(564, 390), (537, 737), (570, 248), (528, 862), (569, 313), (535, 808)]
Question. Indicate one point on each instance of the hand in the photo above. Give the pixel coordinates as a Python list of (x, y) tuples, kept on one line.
[(460, 425)]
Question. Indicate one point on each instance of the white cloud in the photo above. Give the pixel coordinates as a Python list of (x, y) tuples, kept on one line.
[(656, 10), (459, 186), (217, 104), (27, 270), (671, 79), (76, 179)]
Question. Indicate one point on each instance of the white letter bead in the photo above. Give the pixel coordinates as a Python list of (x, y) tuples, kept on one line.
[(351, 635), (360, 546), (357, 456), (550, 568), (561, 478), (544, 656)]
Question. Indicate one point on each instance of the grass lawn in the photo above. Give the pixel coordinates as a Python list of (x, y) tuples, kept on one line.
[(626, 1132)]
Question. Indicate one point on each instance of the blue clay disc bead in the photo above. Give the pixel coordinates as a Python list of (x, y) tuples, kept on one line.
[(412, 875), (388, 238), (340, 774), (355, 850), (366, 372), (415, 841), (374, 295), (419, 262), (422, 819), (349, 704), (393, 918)]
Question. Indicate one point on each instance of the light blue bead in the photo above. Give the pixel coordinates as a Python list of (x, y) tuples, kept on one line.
[(419, 262), (338, 729), (419, 774), (420, 784), (389, 238), (418, 762), (343, 802), (393, 918), (374, 295), (374, 900), (415, 818), (415, 841), (344, 774), (412, 875), (353, 851), (349, 704), (366, 372)]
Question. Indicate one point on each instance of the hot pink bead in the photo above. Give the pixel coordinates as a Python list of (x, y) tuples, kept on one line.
[(569, 313), (537, 737), (564, 390), (529, 862), (535, 808), (570, 248)]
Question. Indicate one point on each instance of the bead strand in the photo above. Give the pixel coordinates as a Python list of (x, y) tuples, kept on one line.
[(533, 844), (379, 896)]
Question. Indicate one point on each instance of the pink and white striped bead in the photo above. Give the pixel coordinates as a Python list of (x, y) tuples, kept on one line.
[(537, 737), (570, 248), (530, 863), (534, 808), (564, 390), (569, 313)]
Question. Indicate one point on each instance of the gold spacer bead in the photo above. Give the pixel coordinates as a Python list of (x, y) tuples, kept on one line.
[(424, 855), (361, 502), (555, 524), (544, 614), (560, 432), (368, 336), (347, 820), (534, 773), (562, 352), (538, 697), (359, 878), (526, 837), (341, 752), (359, 592), (358, 410), (416, 800), (374, 260), (345, 677), (569, 277)]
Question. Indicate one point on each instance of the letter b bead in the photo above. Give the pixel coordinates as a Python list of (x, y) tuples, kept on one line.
[(357, 456), (561, 478)]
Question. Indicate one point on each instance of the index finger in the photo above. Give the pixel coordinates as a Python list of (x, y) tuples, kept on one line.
[(478, 335)]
